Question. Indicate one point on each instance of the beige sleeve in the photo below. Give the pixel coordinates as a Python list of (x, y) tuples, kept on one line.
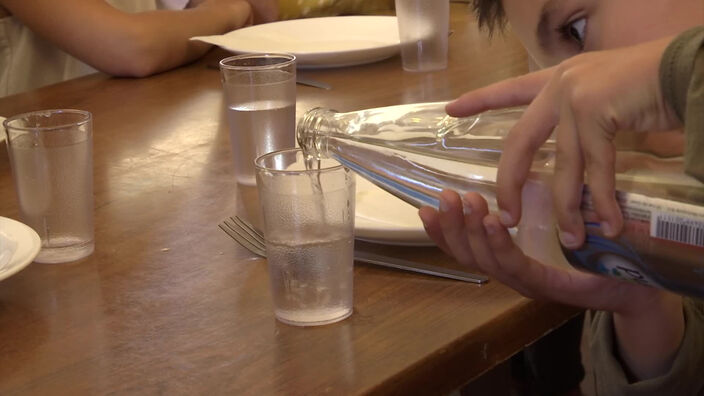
[(685, 376), (682, 82)]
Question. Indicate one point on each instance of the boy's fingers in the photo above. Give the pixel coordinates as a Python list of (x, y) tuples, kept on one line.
[(512, 92), (431, 222), (568, 180), (599, 162), (476, 234), (526, 136), (451, 215), (530, 278), (507, 254)]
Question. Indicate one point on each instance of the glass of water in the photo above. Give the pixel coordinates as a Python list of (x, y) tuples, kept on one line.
[(423, 27), (51, 156), (260, 97), (308, 211)]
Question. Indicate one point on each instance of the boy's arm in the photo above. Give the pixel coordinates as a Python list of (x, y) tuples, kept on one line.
[(681, 377), (647, 341), (125, 44), (657, 345)]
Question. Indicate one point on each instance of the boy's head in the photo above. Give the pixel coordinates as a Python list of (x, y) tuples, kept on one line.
[(490, 14), (553, 30)]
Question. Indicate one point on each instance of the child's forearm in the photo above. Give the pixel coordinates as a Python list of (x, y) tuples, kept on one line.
[(162, 37), (647, 341), (128, 44)]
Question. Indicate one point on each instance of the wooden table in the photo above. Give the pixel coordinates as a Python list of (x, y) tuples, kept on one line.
[(169, 304)]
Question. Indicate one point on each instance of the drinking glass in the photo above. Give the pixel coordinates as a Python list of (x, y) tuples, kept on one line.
[(260, 96), (308, 211), (423, 29), (51, 156)]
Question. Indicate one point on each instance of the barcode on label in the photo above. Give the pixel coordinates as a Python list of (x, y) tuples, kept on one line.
[(678, 229)]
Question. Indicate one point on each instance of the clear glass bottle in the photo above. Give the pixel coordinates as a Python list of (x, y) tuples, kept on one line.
[(415, 151)]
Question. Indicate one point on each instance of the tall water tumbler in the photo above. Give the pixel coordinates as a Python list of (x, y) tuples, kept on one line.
[(423, 27), (260, 96), (51, 155), (309, 229)]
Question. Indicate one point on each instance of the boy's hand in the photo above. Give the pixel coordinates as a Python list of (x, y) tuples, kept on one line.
[(586, 99), (464, 229), (648, 322)]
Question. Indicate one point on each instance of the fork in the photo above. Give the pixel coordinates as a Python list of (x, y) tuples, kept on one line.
[(250, 238)]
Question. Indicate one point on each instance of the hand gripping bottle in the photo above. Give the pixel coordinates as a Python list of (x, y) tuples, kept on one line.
[(415, 151)]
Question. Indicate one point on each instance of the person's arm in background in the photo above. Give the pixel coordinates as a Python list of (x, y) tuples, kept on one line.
[(263, 11), (124, 44)]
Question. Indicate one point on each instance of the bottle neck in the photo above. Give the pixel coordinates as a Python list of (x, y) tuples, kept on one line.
[(310, 130)]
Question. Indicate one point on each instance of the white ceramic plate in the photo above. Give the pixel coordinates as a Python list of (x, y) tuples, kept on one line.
[(381, 217), (28, 245), (318, 42)]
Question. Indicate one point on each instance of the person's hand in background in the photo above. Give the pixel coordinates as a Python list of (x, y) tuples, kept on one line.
[(264, 11)]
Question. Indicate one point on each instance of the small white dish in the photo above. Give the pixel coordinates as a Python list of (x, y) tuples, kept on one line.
[(28, 245), (318, 42), (382, 218)]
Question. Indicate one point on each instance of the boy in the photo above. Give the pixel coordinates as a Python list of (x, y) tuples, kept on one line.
[(644, 341)]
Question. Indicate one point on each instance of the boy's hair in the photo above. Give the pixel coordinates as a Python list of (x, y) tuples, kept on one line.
[(490, 14)]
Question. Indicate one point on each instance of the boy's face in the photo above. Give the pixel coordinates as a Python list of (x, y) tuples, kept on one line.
[(553, 30)]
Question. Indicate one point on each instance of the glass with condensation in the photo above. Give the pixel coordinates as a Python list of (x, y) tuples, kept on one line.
[(423, 27), (308, 211), (51, 156)]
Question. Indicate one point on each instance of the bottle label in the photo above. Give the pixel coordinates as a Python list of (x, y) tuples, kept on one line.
[(661, 244), (614, 258), (677, 228), (655, 218)]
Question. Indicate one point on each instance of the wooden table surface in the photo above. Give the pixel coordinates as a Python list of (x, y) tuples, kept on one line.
[(168, 304)]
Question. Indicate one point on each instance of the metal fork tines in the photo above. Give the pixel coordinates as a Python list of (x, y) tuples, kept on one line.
[(250, 238), (245, 234)]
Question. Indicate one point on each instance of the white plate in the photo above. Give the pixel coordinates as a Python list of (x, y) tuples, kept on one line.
[(28, 245), (318, 42), (381, 217)]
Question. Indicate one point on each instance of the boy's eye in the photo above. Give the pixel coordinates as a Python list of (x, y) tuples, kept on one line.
[(575, 31)]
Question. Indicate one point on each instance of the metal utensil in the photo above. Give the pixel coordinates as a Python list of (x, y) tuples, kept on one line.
[(312, 83), (250, 238)]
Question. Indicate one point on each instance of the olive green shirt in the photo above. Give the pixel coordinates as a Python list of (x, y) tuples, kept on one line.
[(685, 378), (682, 83)]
